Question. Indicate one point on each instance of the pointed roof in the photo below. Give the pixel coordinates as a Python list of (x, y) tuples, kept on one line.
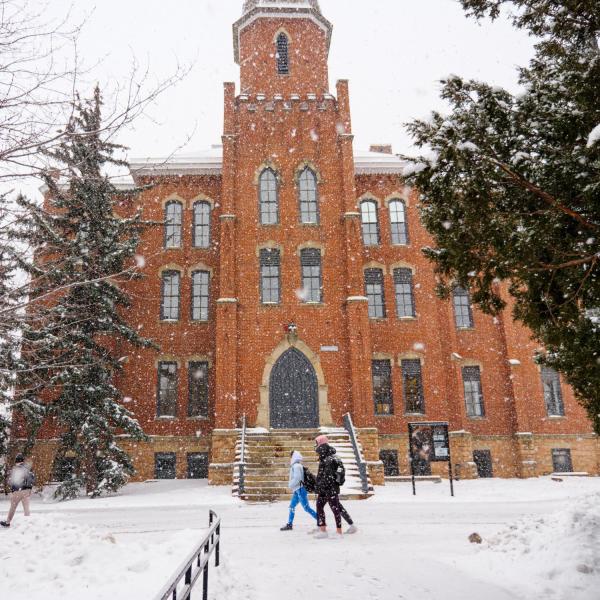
[(253, 9)]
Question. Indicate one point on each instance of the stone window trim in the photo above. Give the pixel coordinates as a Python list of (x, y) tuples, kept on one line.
[(170, 267), (310, 245), (375, 265), (269, 245), (173, 198), (383, 356), (302, 166), (268, 165), (168, 358), (403, 196), (368, 197), (410, 356), (199, 267), (201, 198), (279, 32)]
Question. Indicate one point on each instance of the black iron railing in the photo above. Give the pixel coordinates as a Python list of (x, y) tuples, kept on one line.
[(360, 461), (182, 583)]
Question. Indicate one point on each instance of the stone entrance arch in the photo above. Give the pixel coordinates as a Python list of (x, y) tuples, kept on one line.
[(263, 418)]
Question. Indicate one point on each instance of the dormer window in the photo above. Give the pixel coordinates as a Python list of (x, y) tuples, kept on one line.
[(282, 54)]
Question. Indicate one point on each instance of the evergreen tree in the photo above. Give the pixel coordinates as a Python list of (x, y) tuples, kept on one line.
[(511, 187), (83, 251)]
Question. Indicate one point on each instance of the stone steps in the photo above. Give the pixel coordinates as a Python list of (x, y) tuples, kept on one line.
[(267, 463)]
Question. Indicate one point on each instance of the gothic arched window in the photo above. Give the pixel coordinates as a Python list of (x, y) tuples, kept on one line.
[(269, 197), (309, 203), (282, 54)]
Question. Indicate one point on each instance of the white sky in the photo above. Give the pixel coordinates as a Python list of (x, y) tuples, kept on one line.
[(392, 51)]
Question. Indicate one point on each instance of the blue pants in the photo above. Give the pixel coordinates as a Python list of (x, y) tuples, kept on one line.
[(300, 497)]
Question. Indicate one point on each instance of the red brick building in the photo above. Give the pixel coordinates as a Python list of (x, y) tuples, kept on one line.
[(288, 285)]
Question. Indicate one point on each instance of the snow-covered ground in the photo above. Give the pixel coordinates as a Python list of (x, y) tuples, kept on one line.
[(541, 541)]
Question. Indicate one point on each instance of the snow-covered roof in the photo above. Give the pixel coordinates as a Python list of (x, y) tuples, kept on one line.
[(289, 9), (252, 4), (210, 162)]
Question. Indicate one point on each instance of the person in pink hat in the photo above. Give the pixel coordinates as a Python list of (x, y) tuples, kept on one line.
[(330, 477)]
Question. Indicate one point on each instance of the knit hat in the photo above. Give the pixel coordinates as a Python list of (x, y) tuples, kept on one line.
[(322, 439), (19, 458)]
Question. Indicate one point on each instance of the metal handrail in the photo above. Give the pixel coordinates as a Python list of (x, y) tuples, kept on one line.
[(195, 565), (360, 461), (242, 462)]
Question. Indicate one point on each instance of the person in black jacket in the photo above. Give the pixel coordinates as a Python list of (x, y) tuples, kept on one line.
[(328, 488), (21, 482)]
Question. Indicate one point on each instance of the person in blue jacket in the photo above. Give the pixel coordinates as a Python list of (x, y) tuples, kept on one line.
[(296, 485)]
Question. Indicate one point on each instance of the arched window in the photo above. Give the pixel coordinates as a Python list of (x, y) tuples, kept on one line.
[(370, 222), (398, 223), (269, 198), (282, 54), (309, 203), (173, 221), (201, 231), (200, 295)]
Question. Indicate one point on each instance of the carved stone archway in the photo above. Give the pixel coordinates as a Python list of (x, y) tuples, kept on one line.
[(263, 417)]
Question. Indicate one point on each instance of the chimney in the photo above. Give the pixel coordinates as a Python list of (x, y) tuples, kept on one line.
[(381, 148)]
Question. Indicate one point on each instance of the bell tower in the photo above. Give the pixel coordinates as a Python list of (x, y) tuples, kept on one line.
[(282, 47)]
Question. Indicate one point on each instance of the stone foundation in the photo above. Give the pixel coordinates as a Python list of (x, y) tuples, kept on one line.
[(524, 455)]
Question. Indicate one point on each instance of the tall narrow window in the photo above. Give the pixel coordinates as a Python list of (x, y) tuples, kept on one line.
[(412, 383), (166, 405), (473, 391), (312, 282), (382, 387), (370, 222), (200, 295), (282, 54), (269, 198), (398, 222), (552, 393), (173, 222), (198, 389), (270, 288), (405, 299), (201, 232), (463, 313), (169, 305), (374, 293), (309, 203)]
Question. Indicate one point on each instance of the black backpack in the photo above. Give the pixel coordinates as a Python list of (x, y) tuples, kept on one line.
[(339, 471), (309, 482)]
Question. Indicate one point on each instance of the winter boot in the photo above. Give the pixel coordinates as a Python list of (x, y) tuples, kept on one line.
[(287, 527), (4, 524)]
